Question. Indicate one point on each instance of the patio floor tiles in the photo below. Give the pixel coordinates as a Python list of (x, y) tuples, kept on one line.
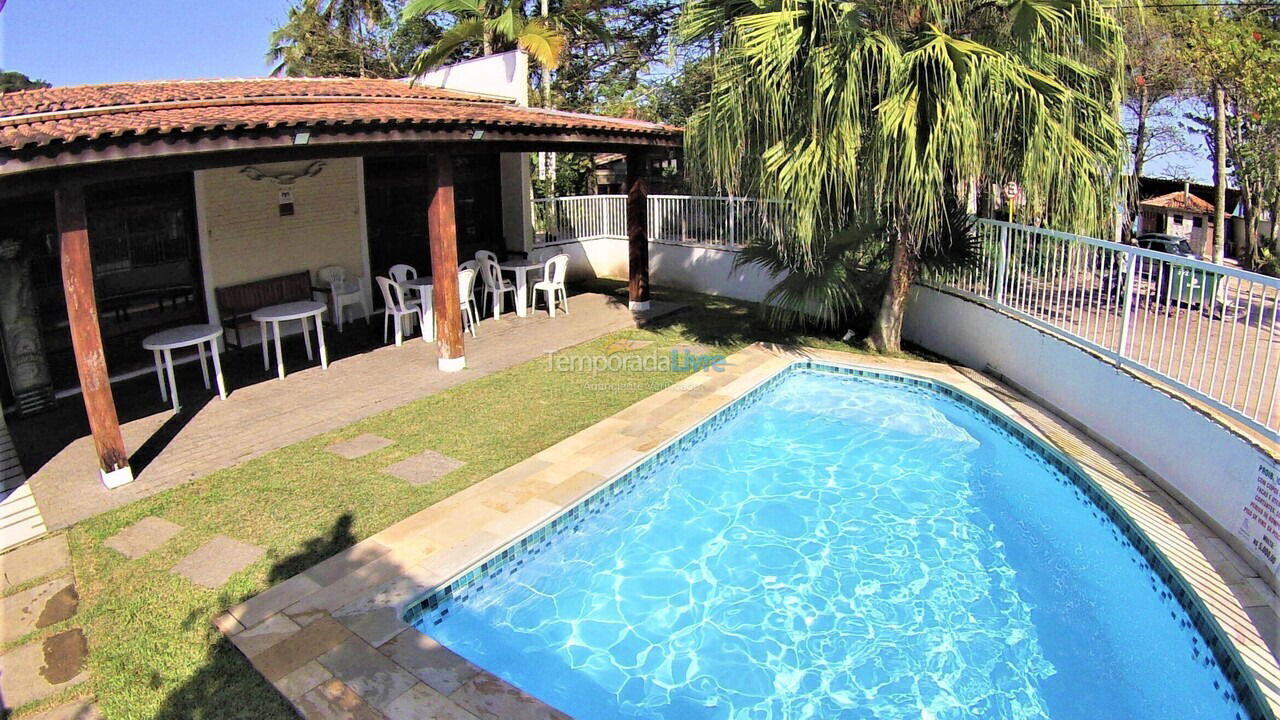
[(211, 565), (37, 607), (359, 446), (300, 648), (33, 560), (425, 467), (257, 639), (374, 676), (142, 537)]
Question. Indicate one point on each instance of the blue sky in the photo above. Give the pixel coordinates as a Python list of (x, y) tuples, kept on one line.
[(72, 42)]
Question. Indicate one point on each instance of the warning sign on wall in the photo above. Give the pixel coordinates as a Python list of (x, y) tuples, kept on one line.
[(1260, 521)]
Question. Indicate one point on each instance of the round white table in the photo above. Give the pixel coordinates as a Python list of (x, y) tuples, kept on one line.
[(163, 343), (521, 268), (422, 286), (301, 310)]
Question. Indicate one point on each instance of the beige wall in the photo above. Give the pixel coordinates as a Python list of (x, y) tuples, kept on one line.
[(245, 237)]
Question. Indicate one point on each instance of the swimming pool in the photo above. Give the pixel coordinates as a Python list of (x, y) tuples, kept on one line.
[(842, 545)]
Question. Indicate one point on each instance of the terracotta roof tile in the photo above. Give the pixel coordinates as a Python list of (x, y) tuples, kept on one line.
[(1180, 201), (88, 112)]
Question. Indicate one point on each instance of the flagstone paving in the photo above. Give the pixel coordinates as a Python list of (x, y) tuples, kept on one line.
[(211, 565), (425, 467), (39, 669), (37, 607), (142, 537), (33, 560), (359, 446)]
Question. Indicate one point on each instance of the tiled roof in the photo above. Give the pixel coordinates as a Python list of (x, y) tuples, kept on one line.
[(1180, 201), (88, 112)]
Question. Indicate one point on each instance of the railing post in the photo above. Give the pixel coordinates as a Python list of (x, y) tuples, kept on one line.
[(733, 224), (1003, 266), (1130, 260)]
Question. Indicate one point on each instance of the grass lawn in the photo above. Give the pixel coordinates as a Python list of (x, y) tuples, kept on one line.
[(152, 649)]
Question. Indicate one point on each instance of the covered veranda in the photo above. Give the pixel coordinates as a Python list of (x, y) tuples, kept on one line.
[(66, 144)]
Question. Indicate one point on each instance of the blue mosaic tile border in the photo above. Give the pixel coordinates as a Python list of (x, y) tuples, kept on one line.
[(435, 606)]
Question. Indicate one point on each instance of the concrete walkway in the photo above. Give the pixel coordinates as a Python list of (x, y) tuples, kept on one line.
[(269, 415)]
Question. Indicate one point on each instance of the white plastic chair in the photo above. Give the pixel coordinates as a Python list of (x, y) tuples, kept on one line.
[(397, 308), (482, 255), (343, 292), (402, 272), (552, 283), (467, 293), (495, 284)]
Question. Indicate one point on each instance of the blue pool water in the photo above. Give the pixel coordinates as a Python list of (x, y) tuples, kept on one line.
[(843, 548)]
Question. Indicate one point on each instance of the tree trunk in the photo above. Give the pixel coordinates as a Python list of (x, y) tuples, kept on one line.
[(886, 334), (1139, 154), (1219, 174)]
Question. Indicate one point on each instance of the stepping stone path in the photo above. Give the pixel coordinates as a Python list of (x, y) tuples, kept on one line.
[(46, 604), (33, 560), (425, 467), (359, 446), (39, 668), (142, 537), (213, 563)]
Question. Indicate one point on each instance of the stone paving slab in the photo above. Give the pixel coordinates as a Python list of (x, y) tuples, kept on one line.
[(77, 710), (425, 467), (434, 664), (143, 536), (334, 700), (359, 446), (422, 702), (33, 560), (37, 607), (211, 565), (373, 676), (39, 669)]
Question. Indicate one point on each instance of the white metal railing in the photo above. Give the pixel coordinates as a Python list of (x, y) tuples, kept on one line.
[(719, 222), (1207, 329), (1210, 330)]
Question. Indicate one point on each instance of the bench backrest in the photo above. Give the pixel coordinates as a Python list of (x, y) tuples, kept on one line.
[(245, 298)]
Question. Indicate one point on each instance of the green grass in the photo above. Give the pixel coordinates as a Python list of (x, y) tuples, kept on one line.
[(152, 649)]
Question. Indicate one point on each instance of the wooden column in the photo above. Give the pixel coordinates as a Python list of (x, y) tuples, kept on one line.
[(86, 335), (443, 232), (637, 231)]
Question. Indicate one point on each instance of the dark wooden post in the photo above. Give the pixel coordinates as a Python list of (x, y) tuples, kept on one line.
[(637, 231), (443, 232), (86, 335)]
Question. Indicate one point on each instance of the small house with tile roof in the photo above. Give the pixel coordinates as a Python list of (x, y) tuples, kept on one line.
[(1181, 214)]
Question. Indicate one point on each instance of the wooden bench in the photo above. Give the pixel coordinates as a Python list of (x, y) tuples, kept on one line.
[(236, 303)]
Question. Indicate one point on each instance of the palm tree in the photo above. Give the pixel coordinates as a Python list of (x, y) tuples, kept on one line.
[(331, 37), (843, 108), (492, 23)]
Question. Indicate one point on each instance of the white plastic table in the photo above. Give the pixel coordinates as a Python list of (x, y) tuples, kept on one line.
[(521, 268), (163, 343), (300, 310), (422, 285)]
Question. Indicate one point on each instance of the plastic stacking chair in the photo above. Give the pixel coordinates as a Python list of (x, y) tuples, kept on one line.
[(402, 272), (467, 293), (399, 310), (552, 283), (482, 255), (343, 292), (495, 284)]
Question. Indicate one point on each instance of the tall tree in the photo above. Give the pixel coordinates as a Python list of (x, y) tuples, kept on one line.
[(496, 25), (358, 38), (844, 108)]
